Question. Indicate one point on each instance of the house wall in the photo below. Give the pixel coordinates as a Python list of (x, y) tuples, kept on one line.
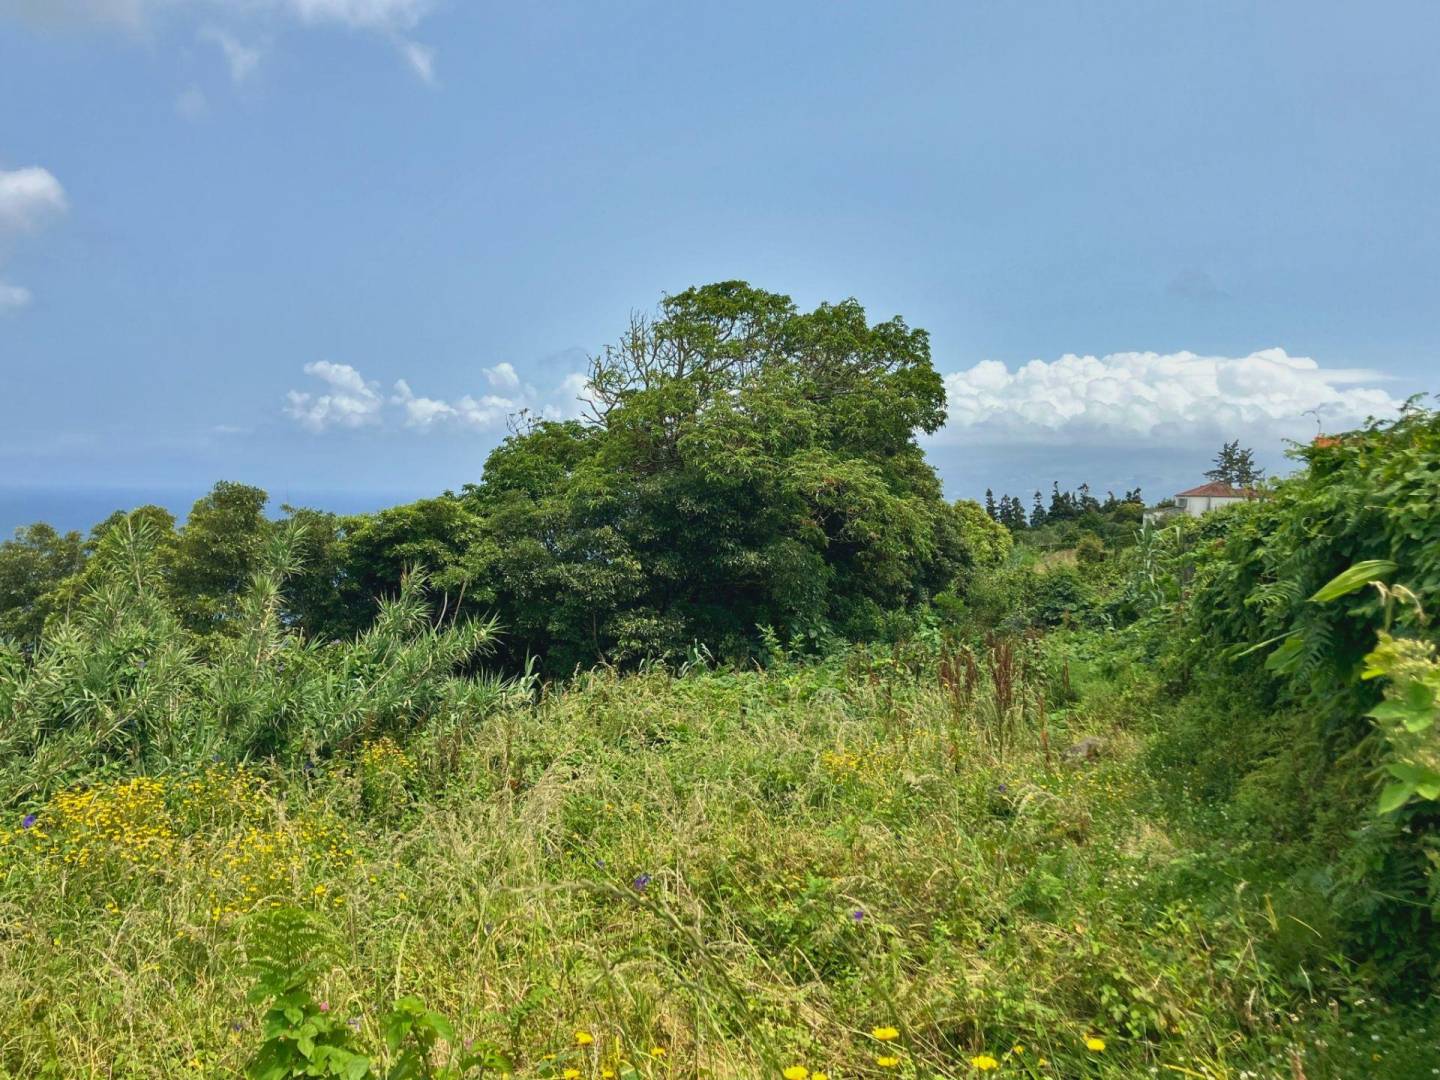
[(1195, 505)]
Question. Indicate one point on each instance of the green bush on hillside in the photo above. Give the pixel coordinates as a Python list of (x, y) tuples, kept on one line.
[(1306, 751), (124, 679)]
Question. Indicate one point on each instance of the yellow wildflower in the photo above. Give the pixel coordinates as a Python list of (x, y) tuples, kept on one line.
[(796, 1072), (1094, 1044), (885, 1034), (887, 1062), (583, 1038), (984, 1063)]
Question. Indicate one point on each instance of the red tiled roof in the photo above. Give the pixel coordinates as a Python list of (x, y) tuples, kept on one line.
[(1218, 490)]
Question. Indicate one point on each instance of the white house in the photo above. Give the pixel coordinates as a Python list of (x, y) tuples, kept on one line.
[(1203, 499)]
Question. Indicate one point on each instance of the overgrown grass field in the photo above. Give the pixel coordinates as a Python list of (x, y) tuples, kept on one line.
[(706, 874)]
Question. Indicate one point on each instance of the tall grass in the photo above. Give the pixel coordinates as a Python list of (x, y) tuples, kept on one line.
[(743, 871)]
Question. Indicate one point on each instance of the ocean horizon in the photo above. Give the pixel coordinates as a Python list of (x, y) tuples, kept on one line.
[(79, 508)]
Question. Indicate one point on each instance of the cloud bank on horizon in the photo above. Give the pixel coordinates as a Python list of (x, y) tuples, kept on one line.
[(1121, 399), (349, 401), (1147, 397)]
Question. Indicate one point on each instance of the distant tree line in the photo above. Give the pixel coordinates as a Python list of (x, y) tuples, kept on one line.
[(1234, 465), (1063, 506)]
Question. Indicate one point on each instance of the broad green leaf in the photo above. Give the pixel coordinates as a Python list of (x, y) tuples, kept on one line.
[(1395, 795), (1411, 718), (1419, 721), (1357, 577), (439, 1025), (1390, 709), (1410, 774), (397, 1026), (1419, 696)]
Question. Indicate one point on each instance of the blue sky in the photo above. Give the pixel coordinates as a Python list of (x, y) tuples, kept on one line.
[(325, 246)]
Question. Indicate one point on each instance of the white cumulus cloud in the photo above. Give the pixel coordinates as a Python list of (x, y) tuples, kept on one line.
[(572, 398), (29, 199), (1137, 396), (503, 376), (349, 401), (487, 411), (420, 412)]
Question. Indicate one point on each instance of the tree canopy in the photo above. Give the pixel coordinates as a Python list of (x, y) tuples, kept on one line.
[(32, 565), (745, 464), (1236, 466)]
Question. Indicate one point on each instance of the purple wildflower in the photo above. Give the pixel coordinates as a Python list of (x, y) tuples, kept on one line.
[(640, 882), (858, 914), (28, 821)]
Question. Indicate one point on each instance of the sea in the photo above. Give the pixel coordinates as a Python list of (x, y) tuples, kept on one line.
[(78, 508)]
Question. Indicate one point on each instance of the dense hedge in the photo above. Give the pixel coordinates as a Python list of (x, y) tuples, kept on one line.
[(1290, 718)]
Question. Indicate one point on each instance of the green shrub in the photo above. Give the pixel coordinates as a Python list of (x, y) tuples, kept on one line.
[(1304, 759), (123, 679), (1090, 551), (1059, 596)]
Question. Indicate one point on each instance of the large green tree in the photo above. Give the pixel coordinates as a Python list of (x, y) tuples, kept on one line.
[(32, 566), (744, 464), (218, 552)]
